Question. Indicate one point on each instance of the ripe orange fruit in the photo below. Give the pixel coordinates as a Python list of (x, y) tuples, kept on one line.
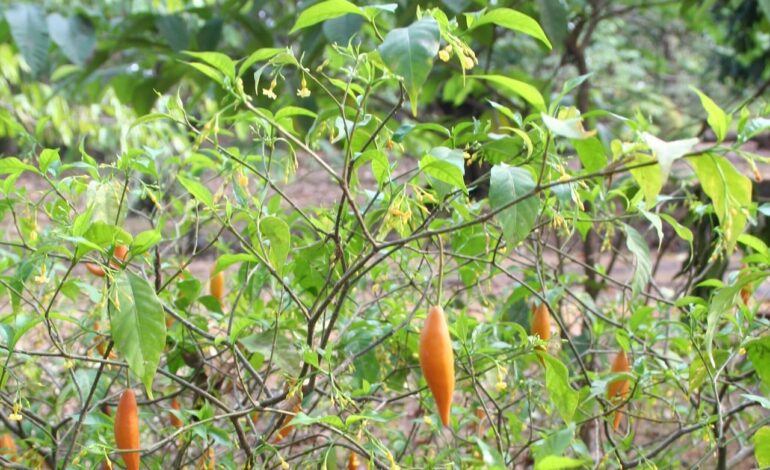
[(217, 285), (175, 421), (7, 445), (286, 430), (437, 360), (120, 252), (127, 429), (619, 388)]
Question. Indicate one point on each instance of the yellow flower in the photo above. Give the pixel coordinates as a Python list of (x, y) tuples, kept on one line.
[(42, 278), (269, 91), (500, 386), (303, 92), (467, 63), (445, 53), (16, 414)]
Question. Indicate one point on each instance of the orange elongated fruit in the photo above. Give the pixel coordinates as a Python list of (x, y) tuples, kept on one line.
[(127, 429), (217, 285), (120, 252), (618, 389), (353, 462), (175, 421), (95, 269), (286, 429), (7, 445), (437, 360), (541, 325)]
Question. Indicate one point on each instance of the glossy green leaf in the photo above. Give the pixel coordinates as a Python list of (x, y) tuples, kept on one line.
[(508, 184), (759, 355), (717, 119), (30, 33), (445, 165), (557, 462), (324, 11), (510, 19), (642, 264), (75, 36), (197, 189), (507, 85), (216, 60), (561, 393), (409, 52), (138, 325), (276, 239), (762, 436), (730, 193)]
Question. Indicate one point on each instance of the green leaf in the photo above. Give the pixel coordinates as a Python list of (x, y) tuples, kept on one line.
[(12, 165), (717, 119), (759, 355), (144, 241), (74, 36), (47, 158), (723, 301), (30, 33), (198, 190), (409, 52), (642, 265), (104, 199), (208, 71), (174, 30), (510, 19), (753, 242), (285, 356), (446, 166), (276, 233), (555, 462), (138, 325), (291, 111), (571, 128), (492, 458), (762, 437), (507, 184), (555, 443), (529, 93), (257, 56), (324, 11), (229, 259), (649, 179), (555, 20), (217, 60), (591, 153), (562, 395), (730, 193), (683, 232)]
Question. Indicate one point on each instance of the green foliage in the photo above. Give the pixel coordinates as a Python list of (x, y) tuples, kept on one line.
[(272, 142)]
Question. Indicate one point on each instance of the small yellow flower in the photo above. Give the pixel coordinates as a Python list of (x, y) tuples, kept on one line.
[(468, 63), (243, 180), (501, 386), (269, 91), (427, 420), (16, 414), (445, 54), (303, 92), (42, 278)]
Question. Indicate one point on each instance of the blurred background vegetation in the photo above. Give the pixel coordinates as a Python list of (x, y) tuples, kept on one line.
[(80, 72)]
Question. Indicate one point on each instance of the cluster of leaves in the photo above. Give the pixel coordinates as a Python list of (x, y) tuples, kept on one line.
[(340, 208)]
